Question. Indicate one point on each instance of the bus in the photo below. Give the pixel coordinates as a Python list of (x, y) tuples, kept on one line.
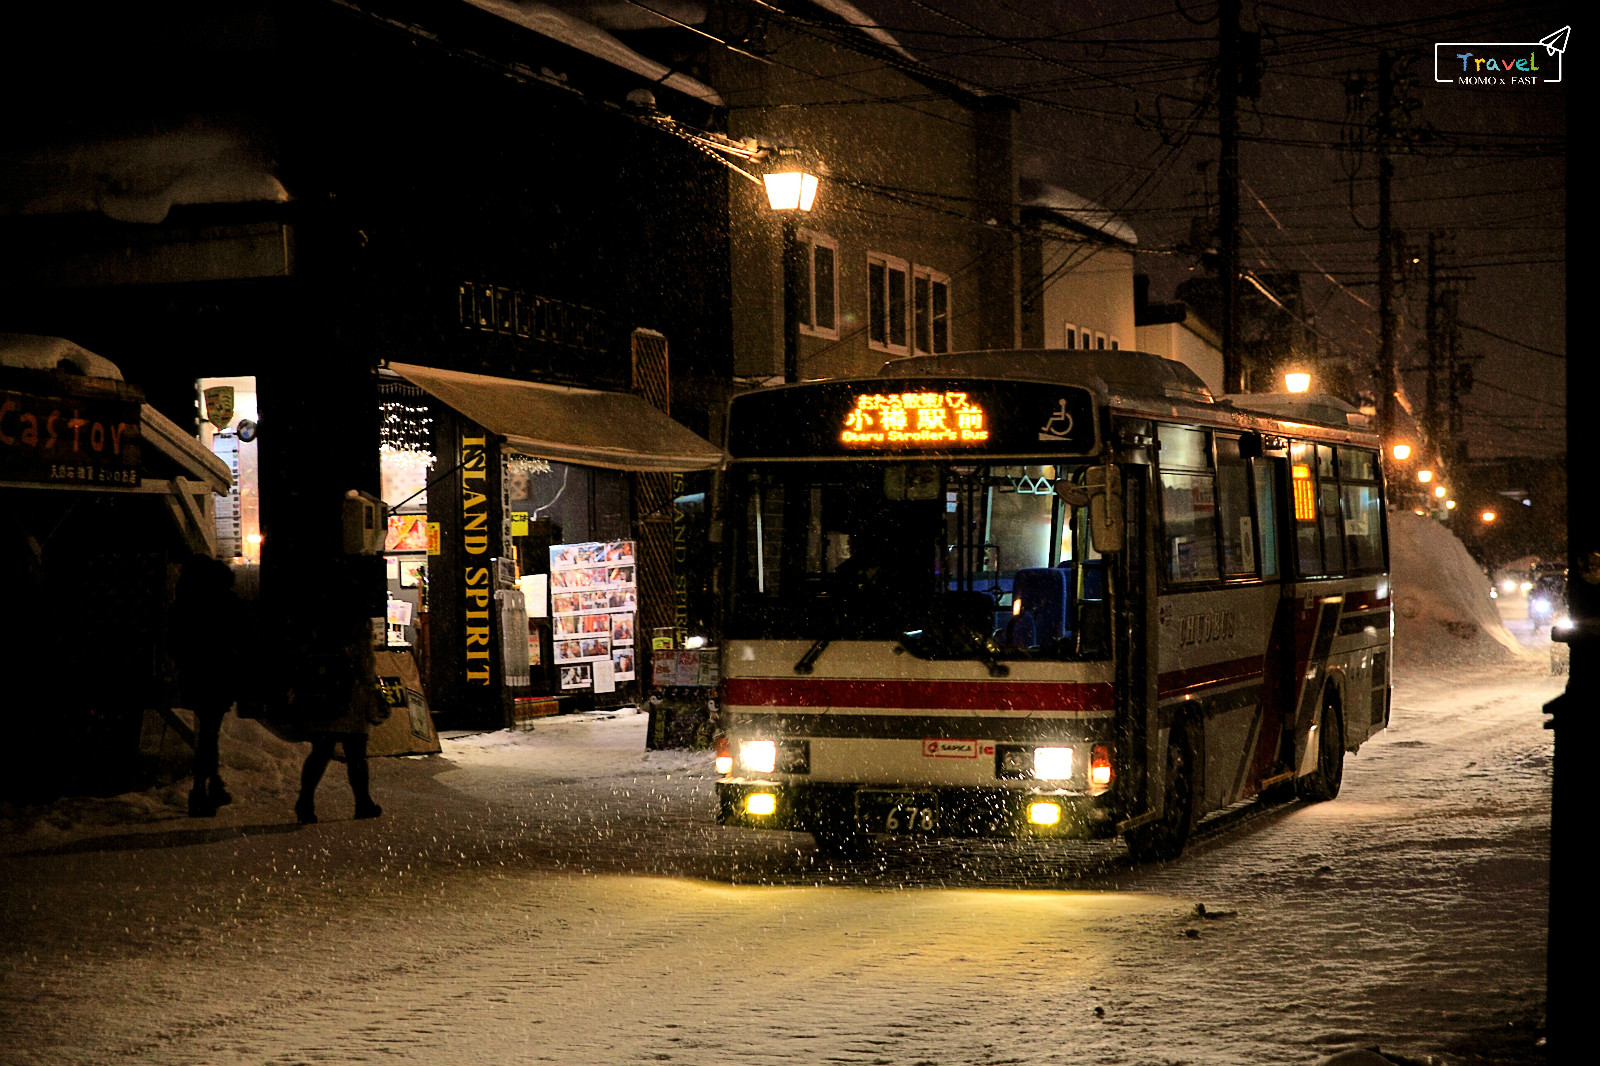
[(1043, 594)]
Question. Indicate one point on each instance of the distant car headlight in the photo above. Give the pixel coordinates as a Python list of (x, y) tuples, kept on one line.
[(1564, 622), (1508, 585), (1526, 586)]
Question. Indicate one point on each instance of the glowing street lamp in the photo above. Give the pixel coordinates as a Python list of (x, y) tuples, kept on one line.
[(1402, 452), (1449, 505), (1424, 476), (1439, 491), (1488, 516), (1297, 381), (790, 192), (793, 190)]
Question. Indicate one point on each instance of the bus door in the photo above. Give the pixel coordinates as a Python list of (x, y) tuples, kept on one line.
[(1133, 601), (1274, 502)]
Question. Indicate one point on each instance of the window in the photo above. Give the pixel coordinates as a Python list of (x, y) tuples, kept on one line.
[(887, 281), (1267, 516), (819, 283), (1085, 339), (1188, 504), (931, 308), (1362, 507), (1233, 511), (1100, 341), (1115, 344), (1072, 335), (1303, 491)]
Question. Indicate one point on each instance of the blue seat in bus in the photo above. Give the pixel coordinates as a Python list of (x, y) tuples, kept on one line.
[(1044, 593)]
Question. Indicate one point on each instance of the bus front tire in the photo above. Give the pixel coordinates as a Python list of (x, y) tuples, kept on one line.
[(1165, 837), (1323, 782)]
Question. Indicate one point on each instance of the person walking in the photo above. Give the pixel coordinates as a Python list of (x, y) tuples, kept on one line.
[(335, 701), (205, 614)]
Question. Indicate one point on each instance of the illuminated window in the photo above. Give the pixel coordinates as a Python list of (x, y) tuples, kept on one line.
[(887, 281), (931, 308), (819, 281)]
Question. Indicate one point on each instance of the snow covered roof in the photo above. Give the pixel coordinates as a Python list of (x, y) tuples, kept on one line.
[(586, 37), (1076, 209), (850, 13)]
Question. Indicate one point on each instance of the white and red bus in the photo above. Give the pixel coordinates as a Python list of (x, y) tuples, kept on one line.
[(1044, 594)]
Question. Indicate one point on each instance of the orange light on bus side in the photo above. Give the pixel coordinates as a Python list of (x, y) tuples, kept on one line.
[(1305, 497), (1100, 766)]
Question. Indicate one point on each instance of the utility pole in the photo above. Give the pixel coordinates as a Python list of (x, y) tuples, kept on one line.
[(1228, 191), (1387, 326), (1430, 408)]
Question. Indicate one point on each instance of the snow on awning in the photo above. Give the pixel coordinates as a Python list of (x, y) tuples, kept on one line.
[(586, 37), (1076, 209), (616, 430)]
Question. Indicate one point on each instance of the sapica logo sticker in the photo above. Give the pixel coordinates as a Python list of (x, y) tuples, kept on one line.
[(1495, 64)]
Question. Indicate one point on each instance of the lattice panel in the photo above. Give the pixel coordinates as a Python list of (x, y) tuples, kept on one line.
[(658, 592), (650, 369)]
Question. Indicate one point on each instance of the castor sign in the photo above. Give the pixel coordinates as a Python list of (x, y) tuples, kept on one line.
[(68, 439)]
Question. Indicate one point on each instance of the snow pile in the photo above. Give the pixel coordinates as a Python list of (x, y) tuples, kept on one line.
[(1442, 610), (257, 765)]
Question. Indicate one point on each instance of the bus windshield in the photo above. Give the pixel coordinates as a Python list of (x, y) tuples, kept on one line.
[(880, 550)]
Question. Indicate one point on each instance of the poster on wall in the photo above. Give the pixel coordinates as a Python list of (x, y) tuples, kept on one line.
[(594, 595)]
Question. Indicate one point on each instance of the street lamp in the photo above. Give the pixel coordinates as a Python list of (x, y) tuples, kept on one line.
[(1297, 381), (788, 193), (1487, 516), (1424, 476), (1439, 491), (1402, 452)]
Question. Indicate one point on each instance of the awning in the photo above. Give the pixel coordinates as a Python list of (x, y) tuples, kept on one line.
[(611, 429)]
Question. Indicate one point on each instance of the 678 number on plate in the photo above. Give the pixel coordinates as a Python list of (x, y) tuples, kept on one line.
[(909, 818)]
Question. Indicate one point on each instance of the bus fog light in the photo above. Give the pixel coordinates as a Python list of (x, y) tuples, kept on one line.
[(759, 755), (760, 803), (1054, 764), (1042, 813)]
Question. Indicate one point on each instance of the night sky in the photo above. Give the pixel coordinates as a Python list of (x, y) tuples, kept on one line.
[(1115, 108)]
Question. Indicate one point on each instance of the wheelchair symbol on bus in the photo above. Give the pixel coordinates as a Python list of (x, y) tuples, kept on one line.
[(1059, 425)]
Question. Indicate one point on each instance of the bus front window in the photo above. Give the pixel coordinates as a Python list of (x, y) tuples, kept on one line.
[(872, 551)]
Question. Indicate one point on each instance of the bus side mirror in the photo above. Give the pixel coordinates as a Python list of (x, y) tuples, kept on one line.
[(1105, 508)]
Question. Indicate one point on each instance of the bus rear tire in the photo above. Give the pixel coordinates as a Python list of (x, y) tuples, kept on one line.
[(1164, 838), (1323, 782)]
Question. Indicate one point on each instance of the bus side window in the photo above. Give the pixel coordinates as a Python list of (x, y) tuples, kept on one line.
[(1266, 516), (1188, 504), (1363, 509), (1303, 494), (1233, 510)]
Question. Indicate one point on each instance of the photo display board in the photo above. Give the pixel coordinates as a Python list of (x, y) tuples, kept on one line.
[(594, 604)]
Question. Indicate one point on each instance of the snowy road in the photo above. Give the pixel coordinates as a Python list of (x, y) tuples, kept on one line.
[(563, 896)]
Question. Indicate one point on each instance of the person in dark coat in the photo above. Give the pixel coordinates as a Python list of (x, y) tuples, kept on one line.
[(205, 614), (335, 700)]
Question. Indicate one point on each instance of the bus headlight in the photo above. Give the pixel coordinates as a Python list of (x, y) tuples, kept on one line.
[(1053, 764), (759, 755), (761, 803), (1044, 813)]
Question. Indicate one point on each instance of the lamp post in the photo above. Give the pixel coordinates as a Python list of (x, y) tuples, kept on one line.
[(790, 192), (1297, 381)]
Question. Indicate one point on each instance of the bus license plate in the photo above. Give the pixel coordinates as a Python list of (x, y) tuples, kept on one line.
[(897, 812)]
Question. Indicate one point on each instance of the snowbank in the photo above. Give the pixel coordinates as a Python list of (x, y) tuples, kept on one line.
[(258, 766), (1442, 610)]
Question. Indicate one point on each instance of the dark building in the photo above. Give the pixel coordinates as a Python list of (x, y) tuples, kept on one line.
[(259, 210)]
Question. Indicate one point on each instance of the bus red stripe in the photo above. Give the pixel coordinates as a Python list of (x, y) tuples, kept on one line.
[(1178, 681), (917, 695)]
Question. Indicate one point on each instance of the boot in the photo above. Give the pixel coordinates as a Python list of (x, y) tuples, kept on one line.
[(218, 793), (200, 805), (367, 809), (305, 810)]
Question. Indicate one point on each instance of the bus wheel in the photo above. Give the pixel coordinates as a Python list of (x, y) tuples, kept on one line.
[(842, 842), (1165, 837), (1323, 782)]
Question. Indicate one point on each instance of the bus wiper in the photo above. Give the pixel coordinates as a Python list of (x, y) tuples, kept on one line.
[(812, 654)]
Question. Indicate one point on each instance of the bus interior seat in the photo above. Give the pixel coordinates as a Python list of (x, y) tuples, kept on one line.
[(1045, 594), (1094, 579)]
